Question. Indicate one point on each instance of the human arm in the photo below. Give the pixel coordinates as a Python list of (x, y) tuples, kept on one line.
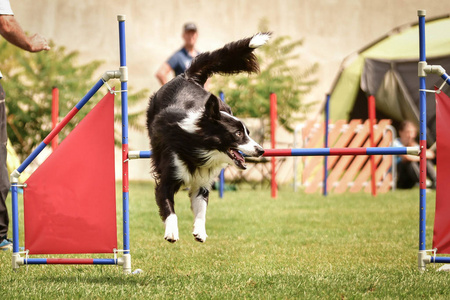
[(163, 72), (429, 155), (11, 30)]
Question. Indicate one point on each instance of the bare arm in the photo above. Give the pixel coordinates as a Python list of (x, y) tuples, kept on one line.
[(10, 29), (162, 73), (429, 154)]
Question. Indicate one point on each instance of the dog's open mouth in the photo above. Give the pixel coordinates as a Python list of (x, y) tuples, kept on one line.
[(237, 157)]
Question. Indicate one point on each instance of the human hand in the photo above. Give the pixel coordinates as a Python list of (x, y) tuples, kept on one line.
[(38, 43), (430, 154)]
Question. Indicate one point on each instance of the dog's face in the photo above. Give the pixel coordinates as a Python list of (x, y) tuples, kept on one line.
[(230, 133)]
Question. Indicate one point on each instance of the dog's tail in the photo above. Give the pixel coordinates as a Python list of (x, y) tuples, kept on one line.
[(233, 58)]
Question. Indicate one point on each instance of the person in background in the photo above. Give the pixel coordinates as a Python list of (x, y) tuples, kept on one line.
[(13, 33), (180, 60), (408, 165)]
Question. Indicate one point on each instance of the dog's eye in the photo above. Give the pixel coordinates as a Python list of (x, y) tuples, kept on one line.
[(238, 133)]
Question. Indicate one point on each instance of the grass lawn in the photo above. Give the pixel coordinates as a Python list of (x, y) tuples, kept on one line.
[(295, 247)]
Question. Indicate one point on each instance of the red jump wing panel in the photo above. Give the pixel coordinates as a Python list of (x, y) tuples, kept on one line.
[(70, 201), (441, 233)]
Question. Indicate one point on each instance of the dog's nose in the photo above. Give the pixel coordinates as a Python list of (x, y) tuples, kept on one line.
[(259, 151)]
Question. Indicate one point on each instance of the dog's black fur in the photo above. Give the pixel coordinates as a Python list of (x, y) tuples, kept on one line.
[(193, 134)]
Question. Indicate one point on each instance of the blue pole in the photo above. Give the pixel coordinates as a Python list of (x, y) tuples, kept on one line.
[(446, 78), (422, 136), (325, 159), (124, 96), (15, 217), (145, 154), (444, 260), (222, 172)]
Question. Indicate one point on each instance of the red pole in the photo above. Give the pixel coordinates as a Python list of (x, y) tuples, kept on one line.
[(372, 120), (55, 115), (273, 127)]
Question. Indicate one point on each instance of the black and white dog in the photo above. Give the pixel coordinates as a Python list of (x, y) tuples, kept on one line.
[(194, 135)]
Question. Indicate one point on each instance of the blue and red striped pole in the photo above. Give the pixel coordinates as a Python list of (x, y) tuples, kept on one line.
[(341, 151), (325, 159), (125, 182), (60, 126), (273, 128), (70, 261), (55, 114), (373, 168), (422, 138), (318, 152)]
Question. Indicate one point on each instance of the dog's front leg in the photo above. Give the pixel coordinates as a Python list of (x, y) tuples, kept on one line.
[(165, 200), (199, 203)]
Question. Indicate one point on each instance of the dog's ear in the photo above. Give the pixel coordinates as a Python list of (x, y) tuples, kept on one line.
[(212, 107)]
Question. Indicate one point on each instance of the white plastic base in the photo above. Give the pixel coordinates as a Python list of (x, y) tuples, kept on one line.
[(445, 268)]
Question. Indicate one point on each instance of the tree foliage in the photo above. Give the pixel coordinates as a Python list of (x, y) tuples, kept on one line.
[(248, 95), (28, 82)]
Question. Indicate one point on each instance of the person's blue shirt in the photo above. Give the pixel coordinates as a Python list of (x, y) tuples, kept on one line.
[(397, 143), (180, 61)]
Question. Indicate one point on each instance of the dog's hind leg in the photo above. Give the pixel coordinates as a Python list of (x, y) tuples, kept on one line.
[(165, 200), (199, 203)]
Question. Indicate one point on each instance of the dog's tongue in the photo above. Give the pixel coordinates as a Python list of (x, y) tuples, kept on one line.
[(240, 161)]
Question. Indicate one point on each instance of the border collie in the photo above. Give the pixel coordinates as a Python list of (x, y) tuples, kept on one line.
[(194, 135)]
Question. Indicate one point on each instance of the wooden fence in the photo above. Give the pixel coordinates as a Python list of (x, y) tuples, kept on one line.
[(347, 173)]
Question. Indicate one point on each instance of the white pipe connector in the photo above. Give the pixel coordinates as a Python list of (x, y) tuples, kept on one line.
[(123, 74), (423, 260), (425, 69), (434, 69), (17, 261), (413, 151), (134, 154), (15, 176), (125, 262), (110, 75)]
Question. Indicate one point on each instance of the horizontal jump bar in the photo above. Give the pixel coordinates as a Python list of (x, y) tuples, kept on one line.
[(70, 261), (342, 151), (443, 260), (316, 152), (139, 154)]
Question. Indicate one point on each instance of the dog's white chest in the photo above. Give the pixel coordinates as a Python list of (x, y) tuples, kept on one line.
[(203, 175)]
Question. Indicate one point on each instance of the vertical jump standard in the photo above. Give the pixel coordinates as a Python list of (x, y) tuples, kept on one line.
[(423, 70), (54, 225)]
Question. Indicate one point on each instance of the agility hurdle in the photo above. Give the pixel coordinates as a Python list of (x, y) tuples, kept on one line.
[(106, 104), (423, 69)]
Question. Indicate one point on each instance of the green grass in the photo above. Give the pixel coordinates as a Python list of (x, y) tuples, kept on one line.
[(297, 246)]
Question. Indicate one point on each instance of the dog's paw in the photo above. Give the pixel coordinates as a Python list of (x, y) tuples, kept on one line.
[(171, 237), (199, 231), (171, 233), (200, 237)]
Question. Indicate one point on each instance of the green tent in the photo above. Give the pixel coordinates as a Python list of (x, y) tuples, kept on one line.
[(387, 69)]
